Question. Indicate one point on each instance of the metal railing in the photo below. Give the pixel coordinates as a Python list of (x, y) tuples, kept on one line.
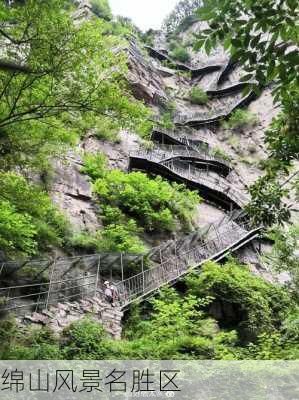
[(172, 262), (208, 179), (166, 152), (186, 136), (228, 237), (204, 66)]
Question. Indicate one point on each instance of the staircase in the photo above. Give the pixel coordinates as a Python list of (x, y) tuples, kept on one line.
[(210, 185), (222, 241)]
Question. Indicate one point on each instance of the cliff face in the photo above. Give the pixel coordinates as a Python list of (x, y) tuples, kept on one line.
[(155, 84)]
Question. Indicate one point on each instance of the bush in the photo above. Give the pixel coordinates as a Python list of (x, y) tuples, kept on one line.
[(29, 222), (198, 96), (154, 203), (218, 152), (85, 241), (107, 129), (102, 9), (17, 232), (259, 305), (95, 165), (166, 121), (122, 238), (180, 54), (241, 118), (85, 340)]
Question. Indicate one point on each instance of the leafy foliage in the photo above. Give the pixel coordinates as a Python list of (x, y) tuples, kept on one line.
[(177, 326), (29, 220), (49, 90), (101, 8), (267, 206), (156, 204), (198, 96), (284, 254), (241, 118), (260, 35), (181, 15), (17, 231), (180, 54), (84, 241), (117, 237), (282, 136), (95, 165), (261, 305)]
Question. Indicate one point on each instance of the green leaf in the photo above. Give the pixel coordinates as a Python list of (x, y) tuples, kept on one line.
[(227, 42), (246, 78), (208, 46)]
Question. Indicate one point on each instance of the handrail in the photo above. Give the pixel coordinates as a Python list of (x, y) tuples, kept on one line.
[(169, 271), (165, 152), (214, 65), (202, 118), (208, 179)]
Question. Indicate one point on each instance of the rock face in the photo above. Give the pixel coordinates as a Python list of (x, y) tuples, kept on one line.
[(61, 316), (71, 191), (144, 79)]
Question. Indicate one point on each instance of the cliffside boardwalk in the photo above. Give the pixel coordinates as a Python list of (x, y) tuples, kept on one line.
[(77, 282), (176, 259)]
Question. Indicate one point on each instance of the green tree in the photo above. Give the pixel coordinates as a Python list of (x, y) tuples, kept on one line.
[(263, 37), (61, 75), (260, 35), (101, 8), (181, 13), (17, 232), (267, 206), (260, 305), (30, 222), (284, 254)]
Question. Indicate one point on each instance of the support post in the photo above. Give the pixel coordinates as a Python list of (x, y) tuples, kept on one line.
[(97, 276), (51, 277), (176, 257), (122, 266), (142, 269)]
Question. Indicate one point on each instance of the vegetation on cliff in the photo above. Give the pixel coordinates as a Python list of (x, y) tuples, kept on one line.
[(255, 320), (60, 78)]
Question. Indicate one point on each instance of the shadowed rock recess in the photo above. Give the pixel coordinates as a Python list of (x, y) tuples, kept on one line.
[(196, 151)]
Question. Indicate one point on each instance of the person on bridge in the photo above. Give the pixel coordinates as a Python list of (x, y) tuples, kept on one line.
[(108, 292)]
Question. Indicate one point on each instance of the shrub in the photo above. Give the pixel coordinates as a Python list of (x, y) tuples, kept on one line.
[(84, 241), (102, 9), (241, 118), (180, 54), (154, 203), (17, 231), (107, 129), (85, 340), (218, 152), (122, 238), (166, 121), (261, 306), (29, 221), (198, 96), (95, 165)]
